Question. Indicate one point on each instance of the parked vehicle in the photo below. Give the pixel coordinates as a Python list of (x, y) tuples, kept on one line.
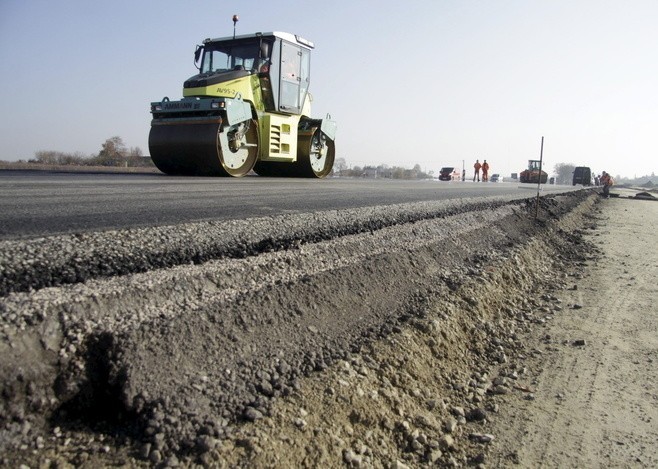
[(582, 175), (496, 178), (448, 173)]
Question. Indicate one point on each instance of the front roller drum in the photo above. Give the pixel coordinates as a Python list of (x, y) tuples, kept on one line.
[(204, 148)]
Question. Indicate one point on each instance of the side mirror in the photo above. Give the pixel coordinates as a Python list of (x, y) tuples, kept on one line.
[(264, 50), (197, 55)]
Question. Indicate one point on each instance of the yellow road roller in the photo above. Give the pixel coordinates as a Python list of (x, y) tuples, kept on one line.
[(248, 108)]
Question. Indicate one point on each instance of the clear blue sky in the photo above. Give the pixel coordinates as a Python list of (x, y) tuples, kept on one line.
[(417, 82)]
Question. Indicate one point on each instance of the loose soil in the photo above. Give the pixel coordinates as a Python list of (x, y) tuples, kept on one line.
[(536, 347)]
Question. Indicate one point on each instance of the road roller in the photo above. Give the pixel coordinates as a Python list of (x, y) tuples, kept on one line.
[(533, 174), (248, 108)]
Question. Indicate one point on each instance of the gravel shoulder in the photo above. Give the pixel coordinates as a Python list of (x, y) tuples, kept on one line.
[(596, 393)]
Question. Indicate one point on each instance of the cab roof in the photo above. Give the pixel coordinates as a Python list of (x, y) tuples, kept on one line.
[(294, 38)]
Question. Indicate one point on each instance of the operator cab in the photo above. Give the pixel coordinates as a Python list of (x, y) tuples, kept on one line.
[(282, 62), (533, 165)]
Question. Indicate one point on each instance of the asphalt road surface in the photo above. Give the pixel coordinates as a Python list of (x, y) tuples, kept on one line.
[(34, 204)]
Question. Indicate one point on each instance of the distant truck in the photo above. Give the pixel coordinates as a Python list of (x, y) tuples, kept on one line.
[(582, 175)]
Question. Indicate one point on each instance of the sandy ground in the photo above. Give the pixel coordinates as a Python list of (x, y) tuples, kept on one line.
[(596, 405)]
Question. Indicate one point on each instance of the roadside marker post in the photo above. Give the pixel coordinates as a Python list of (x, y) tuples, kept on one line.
[(541, 158)]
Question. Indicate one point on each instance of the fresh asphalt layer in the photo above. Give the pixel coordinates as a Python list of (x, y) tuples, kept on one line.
[(35, 204)]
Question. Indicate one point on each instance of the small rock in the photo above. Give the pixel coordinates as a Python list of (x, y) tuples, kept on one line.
[(422, 421), (145, 450), (252, 414), (266, 388), (500, 390), (577, 306), (446, 442), (476, 415), (492, 407), (171, 461), (450, 425), (435, 455), (457, 411), (399, 465), (350, 457), (155, 457), (500, 380), (481, 437), (206, 443), (580, 342)]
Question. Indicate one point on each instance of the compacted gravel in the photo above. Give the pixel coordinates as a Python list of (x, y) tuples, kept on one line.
[(164, 346)]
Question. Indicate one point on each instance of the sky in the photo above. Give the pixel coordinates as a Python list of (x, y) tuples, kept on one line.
[(435, 83)]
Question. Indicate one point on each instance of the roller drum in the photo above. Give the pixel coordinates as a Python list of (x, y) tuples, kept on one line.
[(203, 149)]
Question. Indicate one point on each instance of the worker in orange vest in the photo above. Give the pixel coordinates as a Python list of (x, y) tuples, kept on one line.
[(485, 171), (607, 182), (477, 167)]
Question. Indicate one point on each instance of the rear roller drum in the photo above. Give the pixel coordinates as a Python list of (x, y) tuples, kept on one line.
[(315, 154)]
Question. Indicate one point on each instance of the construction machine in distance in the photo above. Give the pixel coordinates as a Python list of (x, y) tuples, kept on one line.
[(533, 175), (248, 108)]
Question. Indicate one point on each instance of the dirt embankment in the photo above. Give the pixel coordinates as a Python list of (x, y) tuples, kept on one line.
[(385, 348)]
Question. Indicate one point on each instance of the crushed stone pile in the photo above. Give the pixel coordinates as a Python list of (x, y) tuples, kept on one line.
[(368, 338)]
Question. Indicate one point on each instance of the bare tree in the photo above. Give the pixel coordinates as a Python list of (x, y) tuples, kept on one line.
[(564, 172), (113, 153), (340, 165)]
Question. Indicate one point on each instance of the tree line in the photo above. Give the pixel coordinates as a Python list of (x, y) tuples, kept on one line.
[(342, 169), (114, 152)]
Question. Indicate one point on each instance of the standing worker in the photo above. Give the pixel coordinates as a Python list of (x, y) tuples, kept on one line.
[(477, 167), (607, 182), (485, 171)]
